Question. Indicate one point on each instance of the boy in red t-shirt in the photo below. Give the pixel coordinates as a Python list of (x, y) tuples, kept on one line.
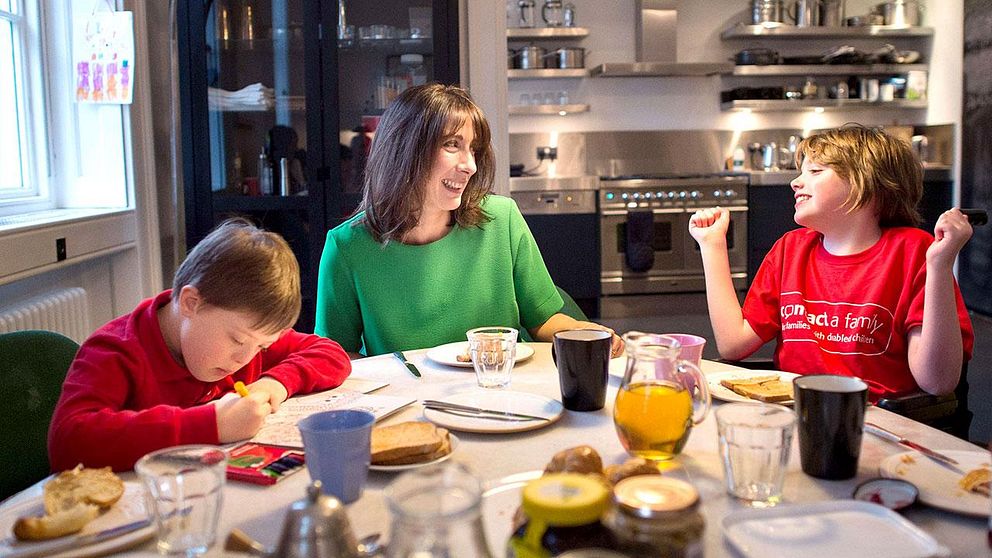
[(164, 374), (859, 291)]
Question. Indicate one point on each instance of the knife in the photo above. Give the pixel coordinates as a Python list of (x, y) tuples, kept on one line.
[(70, 542), (409, 365), (893, 437), (444, 406)]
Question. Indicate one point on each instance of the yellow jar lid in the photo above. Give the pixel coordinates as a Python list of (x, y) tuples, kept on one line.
[(651, 496), (565, 499)]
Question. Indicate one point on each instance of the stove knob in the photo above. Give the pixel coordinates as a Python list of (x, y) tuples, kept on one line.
[(647, 195), (730, 194), (659, 195), (610, 195), (695, 194), (683, 194), (624, 195), (637, 195), (717, 193)]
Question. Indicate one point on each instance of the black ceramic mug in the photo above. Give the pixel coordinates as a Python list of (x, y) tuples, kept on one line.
[(583, 360), (830, 413)]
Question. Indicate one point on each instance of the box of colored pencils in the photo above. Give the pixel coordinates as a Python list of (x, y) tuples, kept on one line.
[(263, 463)]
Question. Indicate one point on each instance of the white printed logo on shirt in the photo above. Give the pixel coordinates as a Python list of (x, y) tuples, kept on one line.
[(842, 328)]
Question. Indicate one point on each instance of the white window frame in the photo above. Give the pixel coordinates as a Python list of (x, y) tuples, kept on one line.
[(69, 170)]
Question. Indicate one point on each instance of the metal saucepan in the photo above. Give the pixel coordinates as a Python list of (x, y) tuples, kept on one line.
[(529, 58), (756, 56), (900, 13), (567, 58)]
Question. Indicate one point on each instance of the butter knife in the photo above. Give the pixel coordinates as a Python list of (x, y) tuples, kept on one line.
[(893, 437), (70, 542), (478, 415), (445, 406), (409, 365)]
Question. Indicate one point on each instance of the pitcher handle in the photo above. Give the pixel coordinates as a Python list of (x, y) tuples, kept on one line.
[(686, 367)]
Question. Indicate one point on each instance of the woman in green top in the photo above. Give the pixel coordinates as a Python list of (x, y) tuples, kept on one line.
[(431, 253)]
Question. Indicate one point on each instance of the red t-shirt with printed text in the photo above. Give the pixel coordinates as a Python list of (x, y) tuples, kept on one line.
[(847, 315)]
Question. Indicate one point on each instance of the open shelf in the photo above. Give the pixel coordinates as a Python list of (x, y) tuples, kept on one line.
[(827, 69), (561, 110), (783, 31), (547, 73), (545, 33), (805, 105), (661, 69)]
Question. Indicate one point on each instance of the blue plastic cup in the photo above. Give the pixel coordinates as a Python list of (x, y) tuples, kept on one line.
[(337, 447)]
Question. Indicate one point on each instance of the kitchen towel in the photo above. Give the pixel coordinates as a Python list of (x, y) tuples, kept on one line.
[(640, 240)]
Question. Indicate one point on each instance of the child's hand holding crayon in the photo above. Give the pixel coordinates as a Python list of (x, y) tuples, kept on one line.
[(272, 388), (239, 418)]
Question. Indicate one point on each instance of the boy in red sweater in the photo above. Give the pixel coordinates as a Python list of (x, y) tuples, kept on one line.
[(859, 290), (164, 374)]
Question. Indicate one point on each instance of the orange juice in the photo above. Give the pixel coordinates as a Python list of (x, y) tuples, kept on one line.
[(653, 419)]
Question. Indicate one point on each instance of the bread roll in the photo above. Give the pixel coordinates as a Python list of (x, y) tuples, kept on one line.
[(100, 487), (59, 524), (580, 459), (633, 467)]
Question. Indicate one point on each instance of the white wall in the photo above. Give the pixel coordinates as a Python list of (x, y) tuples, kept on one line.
[(693, 102)]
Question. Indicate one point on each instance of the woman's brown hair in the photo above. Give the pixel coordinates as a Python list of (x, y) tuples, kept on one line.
[(243, 268), (409, 135), (882, 170)]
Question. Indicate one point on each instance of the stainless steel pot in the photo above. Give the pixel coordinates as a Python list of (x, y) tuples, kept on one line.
[(567, 57), (530, 58), (901, 13)]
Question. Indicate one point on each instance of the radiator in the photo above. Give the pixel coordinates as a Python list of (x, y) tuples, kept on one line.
[(65, 311)]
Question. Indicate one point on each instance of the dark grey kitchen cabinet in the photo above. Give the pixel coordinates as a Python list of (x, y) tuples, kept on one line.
[(278, 100)]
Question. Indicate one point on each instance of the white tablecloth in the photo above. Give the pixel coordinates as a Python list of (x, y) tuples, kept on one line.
[(260, 510)]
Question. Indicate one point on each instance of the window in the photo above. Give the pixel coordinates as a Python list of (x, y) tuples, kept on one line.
[(56, 153)]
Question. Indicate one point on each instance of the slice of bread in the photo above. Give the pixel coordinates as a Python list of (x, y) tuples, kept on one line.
[(731, 383), (59, 524), (771, 391), (100, 487), (404, 440), (445, 449)]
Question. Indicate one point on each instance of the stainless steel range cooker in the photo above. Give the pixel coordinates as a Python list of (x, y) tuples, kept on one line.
[(645, 246)]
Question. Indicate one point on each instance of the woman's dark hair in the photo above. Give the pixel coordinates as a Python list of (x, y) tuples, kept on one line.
[(410, 133)]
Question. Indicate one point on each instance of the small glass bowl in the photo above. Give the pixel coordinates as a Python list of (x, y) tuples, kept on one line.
[(894, 494)]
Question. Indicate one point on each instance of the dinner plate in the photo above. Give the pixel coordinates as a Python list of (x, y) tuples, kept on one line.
[(130, 508), (500, 500), (720, 392), (511, 401), (827, 529), (938, 483), (447, 354), (396, 468)]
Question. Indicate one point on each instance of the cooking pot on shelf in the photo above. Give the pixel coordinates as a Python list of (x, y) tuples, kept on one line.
[(756, 56), (529, 58), (565, 58), (900, 13)]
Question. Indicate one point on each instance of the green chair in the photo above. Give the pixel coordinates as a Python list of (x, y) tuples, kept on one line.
[(33, 365)]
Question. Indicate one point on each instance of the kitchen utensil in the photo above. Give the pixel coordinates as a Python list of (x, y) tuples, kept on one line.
[(756, 56), (831, 415), (832, 13), (517, 402), (568, 15), (901, 13), (409, 365), (805, 13), (526, 14), (977, 217), (766, 11), (567, 57), (893, 437), (67, 543), (551, 13), (530, 58), (444, 406)]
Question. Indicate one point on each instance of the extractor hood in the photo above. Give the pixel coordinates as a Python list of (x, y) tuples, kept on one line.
[(656, 45)]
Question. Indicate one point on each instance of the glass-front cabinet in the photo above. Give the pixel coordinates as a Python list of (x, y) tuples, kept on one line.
[(279, 100)]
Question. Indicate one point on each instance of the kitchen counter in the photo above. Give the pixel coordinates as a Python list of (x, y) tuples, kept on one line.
[(931, 173)]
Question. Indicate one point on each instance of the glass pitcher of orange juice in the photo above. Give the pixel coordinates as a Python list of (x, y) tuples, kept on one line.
[(660, 398)]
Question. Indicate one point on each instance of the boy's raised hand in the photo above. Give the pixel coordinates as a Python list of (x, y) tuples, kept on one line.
[(709, 226), (950, 235), (239, 418)]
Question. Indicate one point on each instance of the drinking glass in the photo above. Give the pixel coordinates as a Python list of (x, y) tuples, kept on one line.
[(755, 441), (660, 397), (183, 493), (493, 350)]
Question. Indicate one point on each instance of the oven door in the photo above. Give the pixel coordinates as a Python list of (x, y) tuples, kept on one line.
[(669, 246), (736, 243)]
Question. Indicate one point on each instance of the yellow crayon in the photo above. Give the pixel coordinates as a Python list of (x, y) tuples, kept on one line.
[(239, 387)]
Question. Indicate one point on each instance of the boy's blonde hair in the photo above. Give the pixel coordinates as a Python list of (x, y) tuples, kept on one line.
[(243, 268), (883, 170)]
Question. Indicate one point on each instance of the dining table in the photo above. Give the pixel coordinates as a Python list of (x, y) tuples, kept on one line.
[(497, 458)]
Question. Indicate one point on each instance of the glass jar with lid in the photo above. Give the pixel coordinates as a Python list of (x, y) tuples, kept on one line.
[(656, 516), (563, 513)]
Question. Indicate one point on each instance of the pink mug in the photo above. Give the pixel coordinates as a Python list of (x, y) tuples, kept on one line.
[(692, 346)]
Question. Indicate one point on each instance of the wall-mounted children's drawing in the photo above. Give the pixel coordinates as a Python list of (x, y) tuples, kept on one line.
[(103, 52)]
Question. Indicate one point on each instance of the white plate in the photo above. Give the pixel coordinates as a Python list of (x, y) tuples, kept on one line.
[(500, 501), (394, 468), (713, 380), (511, 401), (130, 508), (827, 529), (447, 354), (938, 483)]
